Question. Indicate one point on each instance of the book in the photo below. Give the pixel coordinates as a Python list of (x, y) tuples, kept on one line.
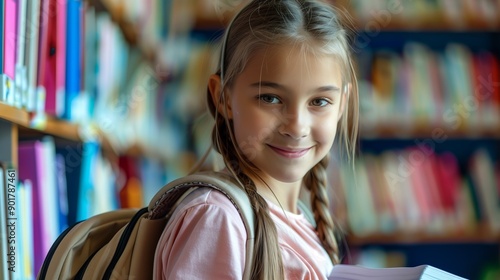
[(48, 55), (34, 160), (421, 272), (20, 74), (61, 11), (73, 56), (87, 190), (2, 34), (25, 213), (9, 41), (72, 156), (31, 54), (62, 192), (482, 171), (90, 64)]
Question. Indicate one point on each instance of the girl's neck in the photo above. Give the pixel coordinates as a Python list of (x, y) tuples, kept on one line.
[(284, 195)]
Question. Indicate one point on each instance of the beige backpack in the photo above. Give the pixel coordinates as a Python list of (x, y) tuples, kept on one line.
[(121, 244)]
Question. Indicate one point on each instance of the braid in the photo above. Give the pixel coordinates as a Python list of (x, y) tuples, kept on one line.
[(267, 259), (268, 262), (316, 182)]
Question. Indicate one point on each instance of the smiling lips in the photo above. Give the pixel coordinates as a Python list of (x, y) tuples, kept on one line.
[(290, 153)]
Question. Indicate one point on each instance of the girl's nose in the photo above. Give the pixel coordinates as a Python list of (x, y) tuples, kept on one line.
[(295, 124)]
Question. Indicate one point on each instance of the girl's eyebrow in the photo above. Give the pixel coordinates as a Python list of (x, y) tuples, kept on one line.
[(269, 84), (284, 88)]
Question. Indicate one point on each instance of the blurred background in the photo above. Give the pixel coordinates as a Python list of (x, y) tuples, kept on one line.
[(102, 102)]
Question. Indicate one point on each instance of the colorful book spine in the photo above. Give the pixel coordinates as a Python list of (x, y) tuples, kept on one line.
[(73, 57), (61, 26), (48, 56), (2, 34), (86, 201), (31, 57), (62, 192), (10, 43), (34, 159), (26, 270), (20, 76), (9, 34)]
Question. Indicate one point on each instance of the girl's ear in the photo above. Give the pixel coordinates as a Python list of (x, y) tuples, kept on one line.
[(344, 99), (215, 87)]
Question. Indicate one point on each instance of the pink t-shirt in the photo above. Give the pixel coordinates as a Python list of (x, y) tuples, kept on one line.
[(206, 238)]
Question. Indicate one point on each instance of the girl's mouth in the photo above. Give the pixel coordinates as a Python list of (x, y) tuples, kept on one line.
[(290, 153)]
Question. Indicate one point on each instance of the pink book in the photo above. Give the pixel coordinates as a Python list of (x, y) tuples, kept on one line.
[(432, 187), (449, 179), (48, 51), (10, 39), (60, 56), (417, 181), (49, 81), (31, 168)]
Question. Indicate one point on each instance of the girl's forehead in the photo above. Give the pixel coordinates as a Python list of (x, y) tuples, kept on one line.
[(284, 58), (292, 65)]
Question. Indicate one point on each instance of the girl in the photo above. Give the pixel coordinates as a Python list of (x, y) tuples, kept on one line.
[(284, 82)]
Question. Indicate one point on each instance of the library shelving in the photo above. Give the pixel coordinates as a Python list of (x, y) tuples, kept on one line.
[(137, 103), (415, 101), (78, 106), (18, 124)]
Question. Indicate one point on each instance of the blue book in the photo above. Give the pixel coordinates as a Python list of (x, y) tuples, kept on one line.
[(73, 58), (62, 190), (86, 201), (73, 157)]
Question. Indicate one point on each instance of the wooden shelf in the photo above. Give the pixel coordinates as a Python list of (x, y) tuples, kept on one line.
[(63, 130), (434, 21), (13, 114), (399, 16), (58, 128), (51, 126), (423, 131), (478, 236), (433, 25)]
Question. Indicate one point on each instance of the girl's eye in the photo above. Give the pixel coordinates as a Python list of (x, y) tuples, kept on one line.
[(268, 98), (320, 102)]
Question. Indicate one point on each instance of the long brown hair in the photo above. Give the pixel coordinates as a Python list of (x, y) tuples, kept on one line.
[(265, 23)]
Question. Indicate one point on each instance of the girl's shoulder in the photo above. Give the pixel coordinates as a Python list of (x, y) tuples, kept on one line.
[(204, 197), (205, 222), (207, 188)]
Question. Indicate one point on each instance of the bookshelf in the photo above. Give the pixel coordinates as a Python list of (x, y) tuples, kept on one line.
[(387, 31), (114, 94), (19, 120), (474, 237), (51, 126), (146, 46)]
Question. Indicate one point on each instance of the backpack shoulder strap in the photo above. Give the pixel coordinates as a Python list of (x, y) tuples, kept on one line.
[(168, 197)]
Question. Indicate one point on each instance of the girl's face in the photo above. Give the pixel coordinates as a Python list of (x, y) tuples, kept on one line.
[(285, 106)]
